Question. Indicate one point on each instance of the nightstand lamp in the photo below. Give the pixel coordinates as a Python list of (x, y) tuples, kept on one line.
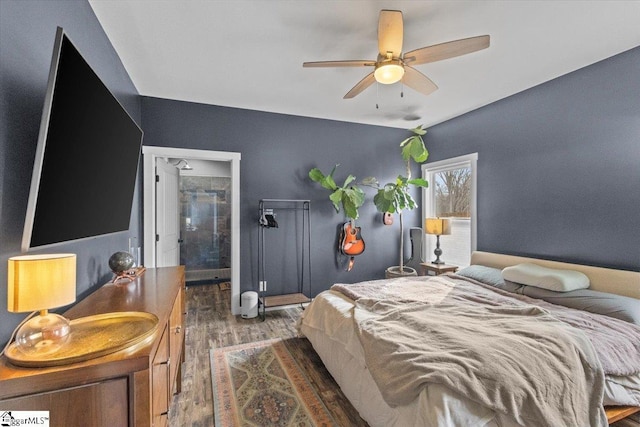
[(438, 227), (39, 283)]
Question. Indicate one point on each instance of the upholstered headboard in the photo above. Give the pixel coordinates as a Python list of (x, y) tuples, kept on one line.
[(618, 282)]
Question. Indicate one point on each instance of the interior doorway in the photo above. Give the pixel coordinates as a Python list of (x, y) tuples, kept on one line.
[(153, 216)]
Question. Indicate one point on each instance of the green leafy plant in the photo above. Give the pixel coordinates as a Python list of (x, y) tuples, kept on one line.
[(395, 197), (350, 196)]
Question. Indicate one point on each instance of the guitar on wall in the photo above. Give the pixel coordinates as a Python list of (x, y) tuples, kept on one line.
[(351, 242)]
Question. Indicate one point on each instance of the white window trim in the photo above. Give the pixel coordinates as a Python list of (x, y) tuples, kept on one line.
[(428, 169)]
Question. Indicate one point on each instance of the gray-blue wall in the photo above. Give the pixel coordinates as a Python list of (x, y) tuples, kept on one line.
[(277, 153), (558, 166), (27, 30)]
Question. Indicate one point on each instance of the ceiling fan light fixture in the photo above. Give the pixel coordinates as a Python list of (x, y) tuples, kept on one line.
[(389, 72), (392, 66)]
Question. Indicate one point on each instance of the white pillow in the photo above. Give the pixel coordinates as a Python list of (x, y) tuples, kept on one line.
[(546, 278)]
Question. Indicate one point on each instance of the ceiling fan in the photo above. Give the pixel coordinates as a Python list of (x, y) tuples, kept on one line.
[(392, 65)]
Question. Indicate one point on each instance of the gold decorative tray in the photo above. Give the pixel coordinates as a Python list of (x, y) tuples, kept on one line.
[(91, 336)]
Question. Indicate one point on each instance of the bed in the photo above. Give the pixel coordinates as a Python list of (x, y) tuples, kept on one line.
[(344, 326)]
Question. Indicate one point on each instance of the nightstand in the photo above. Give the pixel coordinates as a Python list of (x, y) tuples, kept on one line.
[(437, 269)]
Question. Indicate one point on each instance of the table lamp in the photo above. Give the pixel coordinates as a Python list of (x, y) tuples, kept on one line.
[(438, 227), (39, 283)]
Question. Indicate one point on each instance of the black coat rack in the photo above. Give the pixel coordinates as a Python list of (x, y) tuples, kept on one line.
[(268, 210)]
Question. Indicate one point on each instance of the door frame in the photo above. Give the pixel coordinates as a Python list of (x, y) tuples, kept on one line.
[(150, 154)]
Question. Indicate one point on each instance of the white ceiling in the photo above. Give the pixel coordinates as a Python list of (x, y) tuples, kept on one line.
[(249, 53)]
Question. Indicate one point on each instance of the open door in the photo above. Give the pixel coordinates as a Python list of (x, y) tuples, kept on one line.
[(167, 215), (151, 156)]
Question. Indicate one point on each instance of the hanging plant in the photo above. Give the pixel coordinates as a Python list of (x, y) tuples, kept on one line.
[(349, 195)]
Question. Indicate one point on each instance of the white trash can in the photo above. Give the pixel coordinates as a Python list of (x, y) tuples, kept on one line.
[(249, 303)]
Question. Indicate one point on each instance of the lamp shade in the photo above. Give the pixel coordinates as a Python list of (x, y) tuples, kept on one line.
[(437, 226), (41, 282)]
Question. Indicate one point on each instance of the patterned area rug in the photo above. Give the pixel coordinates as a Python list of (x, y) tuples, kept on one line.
[(261, 384)]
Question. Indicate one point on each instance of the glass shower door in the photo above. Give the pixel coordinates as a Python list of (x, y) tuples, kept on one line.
[(205, 228)]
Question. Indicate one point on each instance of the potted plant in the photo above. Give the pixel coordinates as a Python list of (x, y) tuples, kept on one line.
[(394, 197)]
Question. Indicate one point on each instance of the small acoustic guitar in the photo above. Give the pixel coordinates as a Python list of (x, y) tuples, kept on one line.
[(351, 242)]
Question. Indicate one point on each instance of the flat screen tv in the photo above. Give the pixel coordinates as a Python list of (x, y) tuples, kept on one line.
[(86, 158)]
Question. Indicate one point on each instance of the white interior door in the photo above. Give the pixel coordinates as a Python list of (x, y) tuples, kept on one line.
[(167, 215)]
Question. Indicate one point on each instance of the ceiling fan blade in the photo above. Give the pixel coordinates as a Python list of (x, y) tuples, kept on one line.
[(350, 63), (447, 50), (418, 81), (390, 32), (362, 85)]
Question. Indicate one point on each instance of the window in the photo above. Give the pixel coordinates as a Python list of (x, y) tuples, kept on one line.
[(452, 194)]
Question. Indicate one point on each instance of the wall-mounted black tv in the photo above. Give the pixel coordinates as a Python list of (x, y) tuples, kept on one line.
[(86, 158)]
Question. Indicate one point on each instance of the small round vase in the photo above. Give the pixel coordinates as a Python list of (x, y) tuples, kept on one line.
[(121, 262)]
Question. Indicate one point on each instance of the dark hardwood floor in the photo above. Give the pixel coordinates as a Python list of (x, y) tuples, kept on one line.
[(209, 324)]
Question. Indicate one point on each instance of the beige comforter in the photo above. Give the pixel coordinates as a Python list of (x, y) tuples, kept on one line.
[(510, 356)]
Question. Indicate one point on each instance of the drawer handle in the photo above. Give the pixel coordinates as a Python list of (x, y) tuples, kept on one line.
[(168, 362), (178, 329)]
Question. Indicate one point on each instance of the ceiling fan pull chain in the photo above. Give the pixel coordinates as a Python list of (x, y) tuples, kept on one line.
[(377, 93), (401, 88)]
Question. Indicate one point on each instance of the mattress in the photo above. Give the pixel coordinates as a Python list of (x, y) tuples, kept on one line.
[(329, 326)]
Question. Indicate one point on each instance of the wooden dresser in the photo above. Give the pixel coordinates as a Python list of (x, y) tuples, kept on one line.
[(131, 387)]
